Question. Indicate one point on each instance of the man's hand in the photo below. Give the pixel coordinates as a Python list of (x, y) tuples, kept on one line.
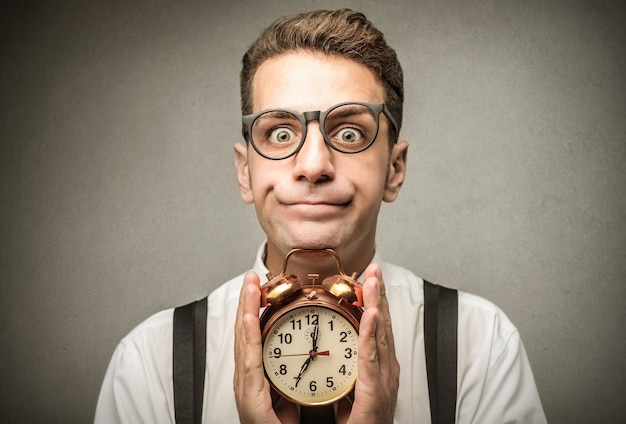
[(252, 390), (377, 384)]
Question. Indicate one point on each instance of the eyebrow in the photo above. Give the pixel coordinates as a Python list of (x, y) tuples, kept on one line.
[(276, 114), (353, 110)]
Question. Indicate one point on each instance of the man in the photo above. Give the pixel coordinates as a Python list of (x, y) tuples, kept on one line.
[(316, 185)]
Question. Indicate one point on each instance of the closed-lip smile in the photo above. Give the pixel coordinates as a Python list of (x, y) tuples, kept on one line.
[(316, 202), (316, 208)]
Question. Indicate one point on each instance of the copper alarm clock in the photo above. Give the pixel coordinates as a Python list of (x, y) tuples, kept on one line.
[(310, 334)]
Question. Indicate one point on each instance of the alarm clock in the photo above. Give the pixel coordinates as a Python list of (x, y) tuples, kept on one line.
[(310, 334)]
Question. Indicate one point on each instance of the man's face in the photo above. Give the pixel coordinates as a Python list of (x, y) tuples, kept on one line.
[(319, 198)]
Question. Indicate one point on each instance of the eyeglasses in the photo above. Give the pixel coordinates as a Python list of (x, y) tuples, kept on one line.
[(346, 127)]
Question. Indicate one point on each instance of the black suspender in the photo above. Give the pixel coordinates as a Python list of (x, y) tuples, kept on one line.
[(440, 342), (189, 361)]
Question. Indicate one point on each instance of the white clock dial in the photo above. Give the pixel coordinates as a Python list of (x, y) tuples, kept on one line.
[(310, 355)]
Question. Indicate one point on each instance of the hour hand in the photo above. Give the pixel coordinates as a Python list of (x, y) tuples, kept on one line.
[(303, 369)]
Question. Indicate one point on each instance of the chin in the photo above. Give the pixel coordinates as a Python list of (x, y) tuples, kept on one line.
[(313, 245), (308, 236)]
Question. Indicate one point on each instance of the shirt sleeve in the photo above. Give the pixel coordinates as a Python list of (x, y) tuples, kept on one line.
[(509, 392), (137, 387)]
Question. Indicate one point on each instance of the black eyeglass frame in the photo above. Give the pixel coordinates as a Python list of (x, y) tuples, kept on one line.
[(316, 115)]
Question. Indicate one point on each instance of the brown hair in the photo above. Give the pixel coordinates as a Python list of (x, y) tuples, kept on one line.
[(343, 33)]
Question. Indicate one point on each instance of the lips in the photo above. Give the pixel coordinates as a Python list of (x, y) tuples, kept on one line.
[(320, 202), (315, 199), (315, 203), (316, 211), (316, 208), (319, 205)]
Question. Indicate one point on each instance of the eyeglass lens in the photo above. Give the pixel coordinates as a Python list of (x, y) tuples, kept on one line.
[(348, 128)]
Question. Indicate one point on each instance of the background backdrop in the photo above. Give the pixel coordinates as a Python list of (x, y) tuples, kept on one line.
[(118, 194)]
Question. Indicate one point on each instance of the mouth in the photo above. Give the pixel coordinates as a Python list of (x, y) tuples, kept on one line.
[(317, 203), (317, 209)]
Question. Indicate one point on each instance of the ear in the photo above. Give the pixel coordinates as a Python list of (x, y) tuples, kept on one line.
[(243, 174), (397, 170)]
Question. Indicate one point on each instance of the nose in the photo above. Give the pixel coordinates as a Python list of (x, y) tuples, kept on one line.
[(314, 160)]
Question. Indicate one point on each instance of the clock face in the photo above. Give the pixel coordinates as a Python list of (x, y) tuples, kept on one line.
[(310, 355)]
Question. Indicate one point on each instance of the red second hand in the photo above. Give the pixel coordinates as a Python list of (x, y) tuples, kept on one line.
[(323, 353)]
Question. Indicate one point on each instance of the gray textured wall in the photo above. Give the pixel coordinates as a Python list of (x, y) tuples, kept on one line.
[(118, 193)]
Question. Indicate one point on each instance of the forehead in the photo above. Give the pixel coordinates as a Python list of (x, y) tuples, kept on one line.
[(312, 81)]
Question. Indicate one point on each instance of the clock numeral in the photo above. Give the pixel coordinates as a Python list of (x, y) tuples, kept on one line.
[(313, 385), (342, 370), (312, 319), (344, 337), (332, 324), (329, 382), (285, 338), (275, 353), (283, 369), (348, 354), (294, 322)]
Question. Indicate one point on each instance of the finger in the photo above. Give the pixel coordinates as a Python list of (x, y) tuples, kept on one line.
[(239, 339), (249, 299), (368, 345), (243, 308), (253, 377), (374, 296), (250, 303), (374, 271), (239, 319), (372, 328), (252, 294), (369, 320)]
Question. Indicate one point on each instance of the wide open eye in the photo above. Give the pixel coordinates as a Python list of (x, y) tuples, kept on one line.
[(282, 135), (350, 127), (349, 135)]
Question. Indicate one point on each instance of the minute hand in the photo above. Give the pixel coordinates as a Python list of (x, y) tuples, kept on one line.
[(316, 334)]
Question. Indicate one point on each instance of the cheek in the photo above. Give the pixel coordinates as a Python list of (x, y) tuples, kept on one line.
[(261, 178), (371, 176)]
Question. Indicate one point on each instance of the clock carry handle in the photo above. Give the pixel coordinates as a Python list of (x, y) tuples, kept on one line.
[(281, 287)]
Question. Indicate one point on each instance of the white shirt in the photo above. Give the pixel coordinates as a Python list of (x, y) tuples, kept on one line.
[(495, 383)]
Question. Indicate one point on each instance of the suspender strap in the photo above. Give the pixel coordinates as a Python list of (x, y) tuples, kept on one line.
[(440, 340), (189, 361)]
